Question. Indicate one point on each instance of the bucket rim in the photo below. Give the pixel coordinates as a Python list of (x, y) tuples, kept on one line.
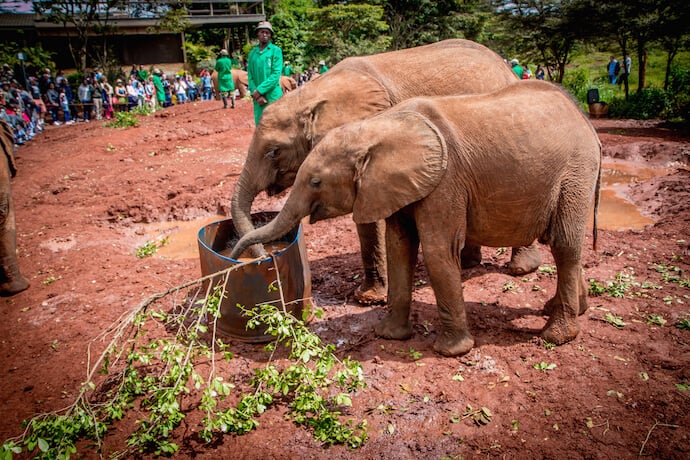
[(200, 241)]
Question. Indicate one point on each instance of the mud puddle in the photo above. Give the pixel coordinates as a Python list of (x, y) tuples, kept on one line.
[(616, 211)]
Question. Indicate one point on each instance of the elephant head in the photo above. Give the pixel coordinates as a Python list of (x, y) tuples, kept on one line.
[(389, 163), (291, 126)]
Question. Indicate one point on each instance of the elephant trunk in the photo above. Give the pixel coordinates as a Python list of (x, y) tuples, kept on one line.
[(279, 226), (240, 209)]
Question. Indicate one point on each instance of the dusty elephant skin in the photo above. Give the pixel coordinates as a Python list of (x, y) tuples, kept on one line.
[(11, 280), (355, 89), (441, 178)]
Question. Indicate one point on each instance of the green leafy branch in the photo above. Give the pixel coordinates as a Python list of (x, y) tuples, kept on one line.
[(155, 358)]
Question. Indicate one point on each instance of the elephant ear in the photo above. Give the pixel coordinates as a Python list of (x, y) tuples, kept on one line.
[(405, 162), (340, 96), (7, 140)]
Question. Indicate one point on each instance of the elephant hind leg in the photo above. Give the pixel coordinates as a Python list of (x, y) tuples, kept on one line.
[(568, 301), (554, 301), (524, 259)]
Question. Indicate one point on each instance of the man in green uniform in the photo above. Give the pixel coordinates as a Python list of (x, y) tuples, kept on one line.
[(225, 83), (160, 91), (322, 67), (517, 68), (287, 70), (264, 67)]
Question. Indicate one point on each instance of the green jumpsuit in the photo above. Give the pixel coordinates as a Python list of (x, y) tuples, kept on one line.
[(263, 74)]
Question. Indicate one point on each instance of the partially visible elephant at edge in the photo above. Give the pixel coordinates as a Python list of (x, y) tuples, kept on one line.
[(355, 89), (11, 280), (499, 169), (239, 79)]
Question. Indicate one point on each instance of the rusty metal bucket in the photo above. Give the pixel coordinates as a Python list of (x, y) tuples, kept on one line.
[(249, 284)]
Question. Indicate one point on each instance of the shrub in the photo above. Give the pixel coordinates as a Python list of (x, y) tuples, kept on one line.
[(679, 93), (577, 82), (649, 103), (123, 120)]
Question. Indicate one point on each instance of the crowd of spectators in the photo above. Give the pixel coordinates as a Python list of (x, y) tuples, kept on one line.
[(28, 103)]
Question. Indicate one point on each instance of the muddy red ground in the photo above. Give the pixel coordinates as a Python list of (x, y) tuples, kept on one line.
[(84, 191)]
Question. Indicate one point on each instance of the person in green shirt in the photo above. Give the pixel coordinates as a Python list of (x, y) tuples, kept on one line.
[(287, 70), (142, 73), (160, 91), (322, 67), (517, 68), (225, 83), (264, 67)]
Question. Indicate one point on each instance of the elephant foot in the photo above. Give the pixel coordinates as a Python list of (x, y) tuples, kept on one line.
[(367, 294), (524, 259), (388, 328), (13, 287), (470, 256), (452, 343), (559, 330)]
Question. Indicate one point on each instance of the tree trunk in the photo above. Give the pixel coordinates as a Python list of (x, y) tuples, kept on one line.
[(642, 72)]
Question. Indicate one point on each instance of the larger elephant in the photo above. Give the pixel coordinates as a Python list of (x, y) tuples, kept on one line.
[(11, 280), (499, 169), (355, 89)]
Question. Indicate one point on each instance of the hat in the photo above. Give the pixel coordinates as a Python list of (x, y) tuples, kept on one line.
[(322, 62), (223, 52), (514, 62), (264, 25), (156, 71)]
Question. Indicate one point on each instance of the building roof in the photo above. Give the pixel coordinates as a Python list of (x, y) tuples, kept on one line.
[(16, 21)]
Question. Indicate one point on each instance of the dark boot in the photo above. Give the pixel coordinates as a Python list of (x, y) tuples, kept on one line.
[(225, 102)]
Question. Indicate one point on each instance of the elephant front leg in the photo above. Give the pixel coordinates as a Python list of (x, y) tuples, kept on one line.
[(402, 245), (445, 273), (372, 241), (454, 338)]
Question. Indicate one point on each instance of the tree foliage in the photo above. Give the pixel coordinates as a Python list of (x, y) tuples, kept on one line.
[(347, 30)]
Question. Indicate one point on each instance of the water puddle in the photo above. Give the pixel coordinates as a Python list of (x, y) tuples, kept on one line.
[(615, 211), (181, 237)]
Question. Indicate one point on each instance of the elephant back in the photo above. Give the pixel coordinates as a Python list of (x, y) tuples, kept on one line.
[(7, 140), (449, 67)]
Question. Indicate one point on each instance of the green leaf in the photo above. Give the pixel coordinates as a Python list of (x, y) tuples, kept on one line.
[(43, 445)]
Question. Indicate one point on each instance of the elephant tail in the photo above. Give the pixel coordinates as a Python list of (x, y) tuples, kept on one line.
[(597, 199)]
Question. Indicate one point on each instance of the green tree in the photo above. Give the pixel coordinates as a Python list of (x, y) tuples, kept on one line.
[(292, 25), (343, 30), (419, 22), (80, 18), (541, 30), (674, 31)]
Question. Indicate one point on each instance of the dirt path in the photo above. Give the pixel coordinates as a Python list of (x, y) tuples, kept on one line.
[(84, 194)]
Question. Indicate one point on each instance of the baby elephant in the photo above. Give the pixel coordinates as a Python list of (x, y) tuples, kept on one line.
[(499, 169)]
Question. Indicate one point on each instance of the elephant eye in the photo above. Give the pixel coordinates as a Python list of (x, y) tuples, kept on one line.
[(272, 154), (315, 182)]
